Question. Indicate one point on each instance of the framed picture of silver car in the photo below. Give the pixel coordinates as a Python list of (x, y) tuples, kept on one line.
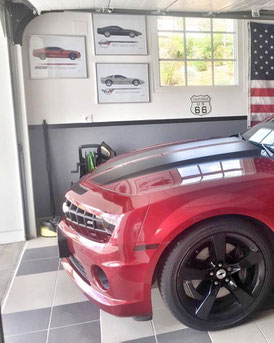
[(116, 34), (53, 56), (122, 82)]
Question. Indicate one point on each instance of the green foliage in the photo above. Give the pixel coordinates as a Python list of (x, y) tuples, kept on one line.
[(171, 47)]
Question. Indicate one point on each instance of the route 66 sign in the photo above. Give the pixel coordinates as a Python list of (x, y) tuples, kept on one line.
[(200, 104)]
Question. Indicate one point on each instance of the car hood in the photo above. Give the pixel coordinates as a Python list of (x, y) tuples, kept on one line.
[(178, 164)]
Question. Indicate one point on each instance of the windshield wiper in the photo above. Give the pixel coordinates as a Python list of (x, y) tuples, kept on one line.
[(242, 136), (267, 149)]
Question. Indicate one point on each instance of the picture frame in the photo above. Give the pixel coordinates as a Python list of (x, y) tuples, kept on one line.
[(57, 56), (118, 34), (122, 83)]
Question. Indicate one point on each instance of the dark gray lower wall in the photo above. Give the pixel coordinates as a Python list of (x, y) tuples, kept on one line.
[(64, 141)]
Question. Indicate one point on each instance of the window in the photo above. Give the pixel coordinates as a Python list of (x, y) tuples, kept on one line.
[(197, 51)]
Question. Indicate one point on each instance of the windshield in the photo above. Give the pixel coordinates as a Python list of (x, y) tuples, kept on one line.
[(263, 136)]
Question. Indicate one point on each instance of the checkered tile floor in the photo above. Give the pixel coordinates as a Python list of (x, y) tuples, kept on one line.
[(44, 306)]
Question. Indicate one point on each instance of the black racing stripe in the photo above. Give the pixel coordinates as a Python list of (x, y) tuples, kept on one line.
[(77, 188), (177, 160), (172, 147)]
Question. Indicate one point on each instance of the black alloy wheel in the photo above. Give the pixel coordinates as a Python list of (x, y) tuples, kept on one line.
[(217, 275), (72, 56)]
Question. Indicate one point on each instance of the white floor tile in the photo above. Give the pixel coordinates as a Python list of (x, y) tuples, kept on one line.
[(265, 323), (244, 333), (41, 242), (116, 329), (30, 292), (66, 291), (163, 319)]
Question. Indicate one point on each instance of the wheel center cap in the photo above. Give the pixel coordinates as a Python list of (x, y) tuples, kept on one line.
[(221, 274)]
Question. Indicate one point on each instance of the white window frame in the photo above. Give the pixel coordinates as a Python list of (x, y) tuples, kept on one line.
[(240, 65)]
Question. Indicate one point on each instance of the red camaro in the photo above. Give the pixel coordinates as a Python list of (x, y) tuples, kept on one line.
[(197, 216), (55, 52)]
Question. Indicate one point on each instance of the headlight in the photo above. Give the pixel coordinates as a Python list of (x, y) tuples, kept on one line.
[(110, 221)]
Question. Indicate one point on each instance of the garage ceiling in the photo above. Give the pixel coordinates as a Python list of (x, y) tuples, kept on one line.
[(154, 5)]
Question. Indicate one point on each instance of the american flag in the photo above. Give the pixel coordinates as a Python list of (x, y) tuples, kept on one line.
[(262, 72)]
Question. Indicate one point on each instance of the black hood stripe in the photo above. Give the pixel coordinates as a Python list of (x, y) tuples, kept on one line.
[(170, 148), (238, 149)]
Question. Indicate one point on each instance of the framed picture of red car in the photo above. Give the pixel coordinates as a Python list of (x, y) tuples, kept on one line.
[(122, 82), (57, 57), (119, 34)]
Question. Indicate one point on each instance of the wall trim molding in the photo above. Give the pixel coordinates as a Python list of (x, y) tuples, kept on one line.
[(140, 122)]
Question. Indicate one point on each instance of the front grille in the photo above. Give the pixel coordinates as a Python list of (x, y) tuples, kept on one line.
[(86, 223), (79, 267)]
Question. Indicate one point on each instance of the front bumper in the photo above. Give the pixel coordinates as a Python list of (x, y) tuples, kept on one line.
[(129, 272)]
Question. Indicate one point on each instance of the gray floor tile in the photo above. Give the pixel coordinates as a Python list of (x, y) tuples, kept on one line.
[(34, 337), (81, 333), (185, 335), (38, 266), (74, 313), (31, 292), (26, 321), (40, 253), (150, 339)]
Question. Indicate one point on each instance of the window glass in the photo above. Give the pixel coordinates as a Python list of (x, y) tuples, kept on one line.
[(199, 73), (223, 25), (172, 73), (224, 73), (171, 45), (197, 24), (199, 51), (170, 23), (260, 135), (198, 45)]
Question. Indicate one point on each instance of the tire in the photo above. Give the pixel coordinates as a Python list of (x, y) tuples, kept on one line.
[(238, 286), (72, 56), (107, 34), (136, 82), (132, 34), (42, 56), (109, 83)]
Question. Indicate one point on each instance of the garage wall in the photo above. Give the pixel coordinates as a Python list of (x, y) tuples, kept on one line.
[(64, 141), (66, 103), (71, 100), (11, 209)]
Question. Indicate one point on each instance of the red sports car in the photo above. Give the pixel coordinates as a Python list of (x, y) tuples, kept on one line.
[(55, 52), (197, 216)]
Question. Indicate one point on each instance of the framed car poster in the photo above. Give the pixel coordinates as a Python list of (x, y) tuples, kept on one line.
[(122, 83), (57, 57), (116, 34)]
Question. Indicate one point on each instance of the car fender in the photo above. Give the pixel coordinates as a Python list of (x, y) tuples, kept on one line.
[(165, 222)]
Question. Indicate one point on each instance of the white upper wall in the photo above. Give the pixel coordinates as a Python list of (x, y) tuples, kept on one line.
[(71, 100), (11, 210)]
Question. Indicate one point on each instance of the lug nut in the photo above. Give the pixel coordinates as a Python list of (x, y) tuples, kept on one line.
[(229, 269), (226, 280), (216, 283), (211, 273), (220, 264)]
